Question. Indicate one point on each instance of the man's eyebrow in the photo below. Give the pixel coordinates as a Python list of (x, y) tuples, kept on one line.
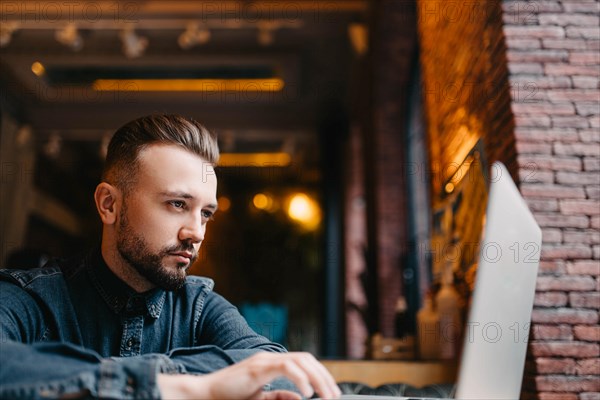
[(183, 195)]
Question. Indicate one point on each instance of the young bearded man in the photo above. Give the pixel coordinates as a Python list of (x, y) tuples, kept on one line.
[(124, 321)]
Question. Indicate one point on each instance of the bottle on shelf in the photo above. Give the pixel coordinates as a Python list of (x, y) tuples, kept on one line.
[(428, 330), (448, 307), (401, 318)]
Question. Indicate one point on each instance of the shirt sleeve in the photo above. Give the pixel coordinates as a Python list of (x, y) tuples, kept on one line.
[(31, 369), (56, 370)]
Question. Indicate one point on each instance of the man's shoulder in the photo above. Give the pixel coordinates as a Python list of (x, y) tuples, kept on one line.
[(27, 277), (202, 283)]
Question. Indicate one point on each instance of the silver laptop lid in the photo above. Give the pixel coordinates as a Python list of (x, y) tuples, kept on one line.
[(497, 331)]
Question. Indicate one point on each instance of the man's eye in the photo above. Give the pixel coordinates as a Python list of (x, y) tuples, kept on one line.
[(177, 203), (208, 215)]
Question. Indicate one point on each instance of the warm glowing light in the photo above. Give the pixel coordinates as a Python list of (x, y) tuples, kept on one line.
[(304, 210), (189, 85), (37, 68), (449, 187), (262, 201), (224, 203), (254, 160)]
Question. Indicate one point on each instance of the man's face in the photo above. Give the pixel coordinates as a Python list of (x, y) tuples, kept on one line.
[(163, 218)]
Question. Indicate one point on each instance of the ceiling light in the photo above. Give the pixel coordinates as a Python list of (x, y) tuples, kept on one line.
[(133, 45), (192, 36), (7, 28), (266, 33), (69, 36), (38, 68)]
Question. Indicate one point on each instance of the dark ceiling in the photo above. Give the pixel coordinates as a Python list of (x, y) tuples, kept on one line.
[(306, 44)]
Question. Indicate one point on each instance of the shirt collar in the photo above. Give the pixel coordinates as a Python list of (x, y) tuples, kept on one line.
[(119, 297)]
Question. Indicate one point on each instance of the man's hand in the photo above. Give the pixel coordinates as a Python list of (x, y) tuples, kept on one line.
[(246, 379)]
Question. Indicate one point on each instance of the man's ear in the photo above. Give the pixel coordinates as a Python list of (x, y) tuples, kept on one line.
[(106, 196)]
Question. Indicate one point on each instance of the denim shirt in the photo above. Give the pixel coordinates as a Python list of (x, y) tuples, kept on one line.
[(74, 327)]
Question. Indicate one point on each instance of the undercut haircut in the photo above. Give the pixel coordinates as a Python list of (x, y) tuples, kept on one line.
[(122, 163)]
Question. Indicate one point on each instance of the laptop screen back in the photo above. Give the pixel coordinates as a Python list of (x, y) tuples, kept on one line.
[(497, 330)]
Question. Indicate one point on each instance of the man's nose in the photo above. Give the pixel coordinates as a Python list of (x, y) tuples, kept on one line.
[(193, 231)]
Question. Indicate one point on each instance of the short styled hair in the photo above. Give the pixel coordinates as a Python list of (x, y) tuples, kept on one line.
[(122, 164)]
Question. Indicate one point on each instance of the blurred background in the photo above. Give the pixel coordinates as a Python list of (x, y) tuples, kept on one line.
[(356, 138)]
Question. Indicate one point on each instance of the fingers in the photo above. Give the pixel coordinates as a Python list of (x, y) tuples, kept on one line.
[(304, 371), (280, 395), (320, 378)]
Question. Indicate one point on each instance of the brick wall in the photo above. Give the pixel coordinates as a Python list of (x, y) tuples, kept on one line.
[(554, 63), (523, 76)]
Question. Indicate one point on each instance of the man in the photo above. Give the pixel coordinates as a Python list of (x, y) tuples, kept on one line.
[(124, 321)]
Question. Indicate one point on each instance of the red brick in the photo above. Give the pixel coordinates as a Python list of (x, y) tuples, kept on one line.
[(537, 190), (581, 6), (536, 121), (517, 43), (589, 396), (587, 109), (528, 7), (588, 136), (543, 108), (564, 316), (593, 44), (568, 69), (555, 365), (594, 121), (578, 178), (565, 349), (595, 223), (538, 56), (525, 68), (584, 267), (552, 332), (570, 122), (583, 236), (568, 44), (535, 176), (585, 300), (585, 82), (558, 383), (584, 58), (534, 31), (555, 396), (561, 221), (592, 192), (550, 299), (551, 235), (583, 32), (587, 333), (588, 367), (533, 82), (565, 283), (591, 164), (596, 251), (564, 19), (533, 147), (580, 207), (561, 95), (543, 135), (575, 121), (552, 267), (566, 251), (576, 149), (546, 162)]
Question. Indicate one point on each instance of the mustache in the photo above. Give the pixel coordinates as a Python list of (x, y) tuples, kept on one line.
[(187, 247)]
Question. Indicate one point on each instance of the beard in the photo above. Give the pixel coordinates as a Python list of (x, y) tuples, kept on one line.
[(134, 249)]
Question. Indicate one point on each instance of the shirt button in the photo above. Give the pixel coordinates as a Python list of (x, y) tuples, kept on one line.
[(129, 343)]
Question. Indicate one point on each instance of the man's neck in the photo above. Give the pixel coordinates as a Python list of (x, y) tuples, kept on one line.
[(123, 270)]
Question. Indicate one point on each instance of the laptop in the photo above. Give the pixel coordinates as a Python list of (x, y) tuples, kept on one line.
[(496, 334)]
